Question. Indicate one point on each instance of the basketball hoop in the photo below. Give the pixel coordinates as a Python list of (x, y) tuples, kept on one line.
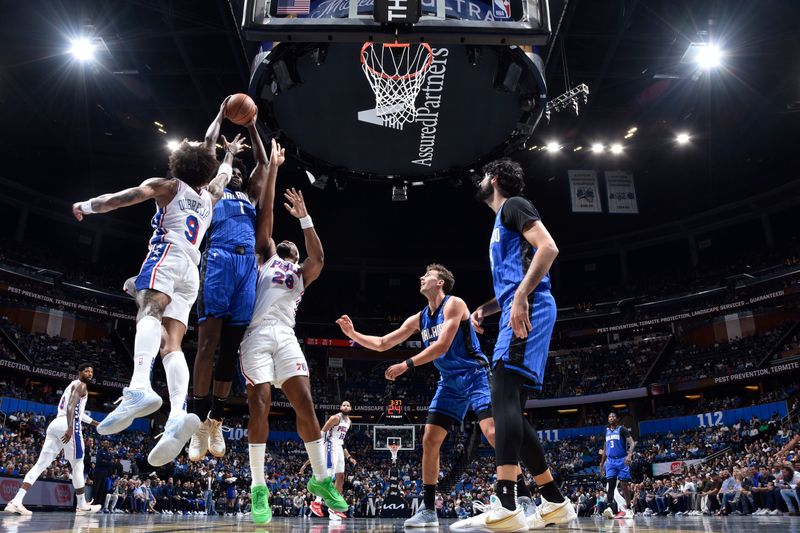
[(394, 449), (395, 72)]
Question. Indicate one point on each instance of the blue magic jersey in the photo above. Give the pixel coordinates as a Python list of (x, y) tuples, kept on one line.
[(465, 350), (233, 222), (510, 254), (616, 442)]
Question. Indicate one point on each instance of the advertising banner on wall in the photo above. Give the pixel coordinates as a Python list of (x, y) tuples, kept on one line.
[(50, 493)]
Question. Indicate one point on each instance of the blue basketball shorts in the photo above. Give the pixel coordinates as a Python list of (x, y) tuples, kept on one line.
[(227, 286), (456, 393), (527, 356), (615, 467)]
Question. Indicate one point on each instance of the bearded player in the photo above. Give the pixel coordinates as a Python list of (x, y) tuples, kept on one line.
[(270, 353), (615, 461), (452, 345), (167, 285), (64, 434)]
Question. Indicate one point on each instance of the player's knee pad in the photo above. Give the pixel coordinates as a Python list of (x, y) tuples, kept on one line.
[(77, 473), (229, 341)]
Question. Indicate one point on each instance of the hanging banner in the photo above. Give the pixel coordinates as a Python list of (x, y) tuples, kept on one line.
[(584, 192), (621, 192)]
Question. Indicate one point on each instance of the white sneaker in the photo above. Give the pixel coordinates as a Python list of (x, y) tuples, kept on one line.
[(17, 508), (198, 445), (333, 517), (494, 517), (608, 513), (552, 514), (629, 513), (89, 509), (135, 404), (528, 507), (177, 431), (216, 440)]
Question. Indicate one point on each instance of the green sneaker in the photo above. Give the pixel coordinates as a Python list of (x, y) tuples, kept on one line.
[(325, 490), (259, 504)]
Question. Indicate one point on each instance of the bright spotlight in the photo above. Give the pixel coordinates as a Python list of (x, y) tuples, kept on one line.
[(173, 145), (598, 148), (616, 148), (709, 56), (682, 138), (553, 147), (82, 49)]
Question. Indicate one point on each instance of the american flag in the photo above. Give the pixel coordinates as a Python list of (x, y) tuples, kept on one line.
[(294, 7)]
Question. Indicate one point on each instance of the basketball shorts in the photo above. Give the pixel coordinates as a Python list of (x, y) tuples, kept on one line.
[(73, 450), (228, 285), (456, 393), (169, 270), (334, 458), (527, 356), (270, 353), (615, 467)]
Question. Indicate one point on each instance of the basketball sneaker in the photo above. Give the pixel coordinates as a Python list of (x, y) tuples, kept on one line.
[(608, 513), (260, 511), (528, 507), (494, 518), (135, 403), (198, 445), (17, 508), (316, 508), (475, 522), (327, 491), (333, 516), (89, 509), (177, 431), (216, 440), (549, 514), (423, 518)]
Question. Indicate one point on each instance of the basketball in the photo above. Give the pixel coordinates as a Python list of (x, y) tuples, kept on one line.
[(240, 109)]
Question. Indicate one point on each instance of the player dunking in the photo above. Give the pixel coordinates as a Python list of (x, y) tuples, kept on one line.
[(521, 252), (334, 432), (167, 285), (615, 461), (451, 344), (227, 291), (270, 352), (64, 433)]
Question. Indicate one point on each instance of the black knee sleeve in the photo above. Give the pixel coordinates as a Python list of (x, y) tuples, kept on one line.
[(229, 341), (532, 452), (506, 389)]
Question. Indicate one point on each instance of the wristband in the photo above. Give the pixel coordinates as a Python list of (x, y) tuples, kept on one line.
[(225, 168), (410, 363), (306, 222), (86, 207)]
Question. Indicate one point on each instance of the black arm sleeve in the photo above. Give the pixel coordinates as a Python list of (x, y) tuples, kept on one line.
[(517, 212), (624, 433)]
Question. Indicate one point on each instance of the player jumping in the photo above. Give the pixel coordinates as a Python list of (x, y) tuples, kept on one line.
[(615, 463), (64, 434)]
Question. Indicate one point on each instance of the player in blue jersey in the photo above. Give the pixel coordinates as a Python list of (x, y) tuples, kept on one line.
[(615, 461), (452, 345), (521, 252), (227, 291)]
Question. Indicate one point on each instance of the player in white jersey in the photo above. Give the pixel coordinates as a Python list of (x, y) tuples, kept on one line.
[(271, 355), (167, 285), (64, 434), (334, 432)]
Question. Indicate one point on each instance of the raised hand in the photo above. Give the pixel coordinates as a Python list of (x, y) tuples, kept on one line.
[(235, 146), (277, 155), (296, 205)]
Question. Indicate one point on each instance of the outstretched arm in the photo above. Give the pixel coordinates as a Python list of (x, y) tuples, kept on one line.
[(217, 186), (312, 266), (78, 392), (380, 344), (212, 133), (160, 189), (259, 174), (266, 215)]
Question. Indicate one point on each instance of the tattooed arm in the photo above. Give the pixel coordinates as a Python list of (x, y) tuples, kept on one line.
[(162, 190)]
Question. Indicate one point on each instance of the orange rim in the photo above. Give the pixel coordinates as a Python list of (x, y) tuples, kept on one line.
[(385, 76)]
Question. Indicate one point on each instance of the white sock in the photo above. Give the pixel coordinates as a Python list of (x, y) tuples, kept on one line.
[(81, 500), (316, 454), (257, 452), (19, 496), (177, 382), (145, 348)]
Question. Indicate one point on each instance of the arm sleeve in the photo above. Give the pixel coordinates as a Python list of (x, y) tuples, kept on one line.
[(517, 212)]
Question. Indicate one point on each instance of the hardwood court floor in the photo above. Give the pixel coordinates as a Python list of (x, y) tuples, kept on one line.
[(64, 522)]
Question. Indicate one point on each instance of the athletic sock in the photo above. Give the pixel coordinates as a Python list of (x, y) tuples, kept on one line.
[(81, 500), (218, 408), (201, 405), (145, 348), (316, 454), (550, 492), (257, 463), (622, 505), (429, 496), (507, 492), (20, 495), (177, 382), (522, 488)]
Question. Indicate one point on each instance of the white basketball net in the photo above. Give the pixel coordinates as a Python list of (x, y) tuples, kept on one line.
[(394, 448), (396, 73)]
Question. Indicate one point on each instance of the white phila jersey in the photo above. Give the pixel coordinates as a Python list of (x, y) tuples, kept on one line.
[(63, 403), (278, 292), (183, 222), (338, 432)]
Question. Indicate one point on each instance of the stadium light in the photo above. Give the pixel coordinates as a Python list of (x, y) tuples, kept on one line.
[(616, 148), (82, 49), (683, 138), (709, 56), (598, 148), (173, 145), (553, 147)]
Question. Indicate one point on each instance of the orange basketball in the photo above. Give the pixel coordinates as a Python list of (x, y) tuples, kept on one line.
[(240, 109)]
